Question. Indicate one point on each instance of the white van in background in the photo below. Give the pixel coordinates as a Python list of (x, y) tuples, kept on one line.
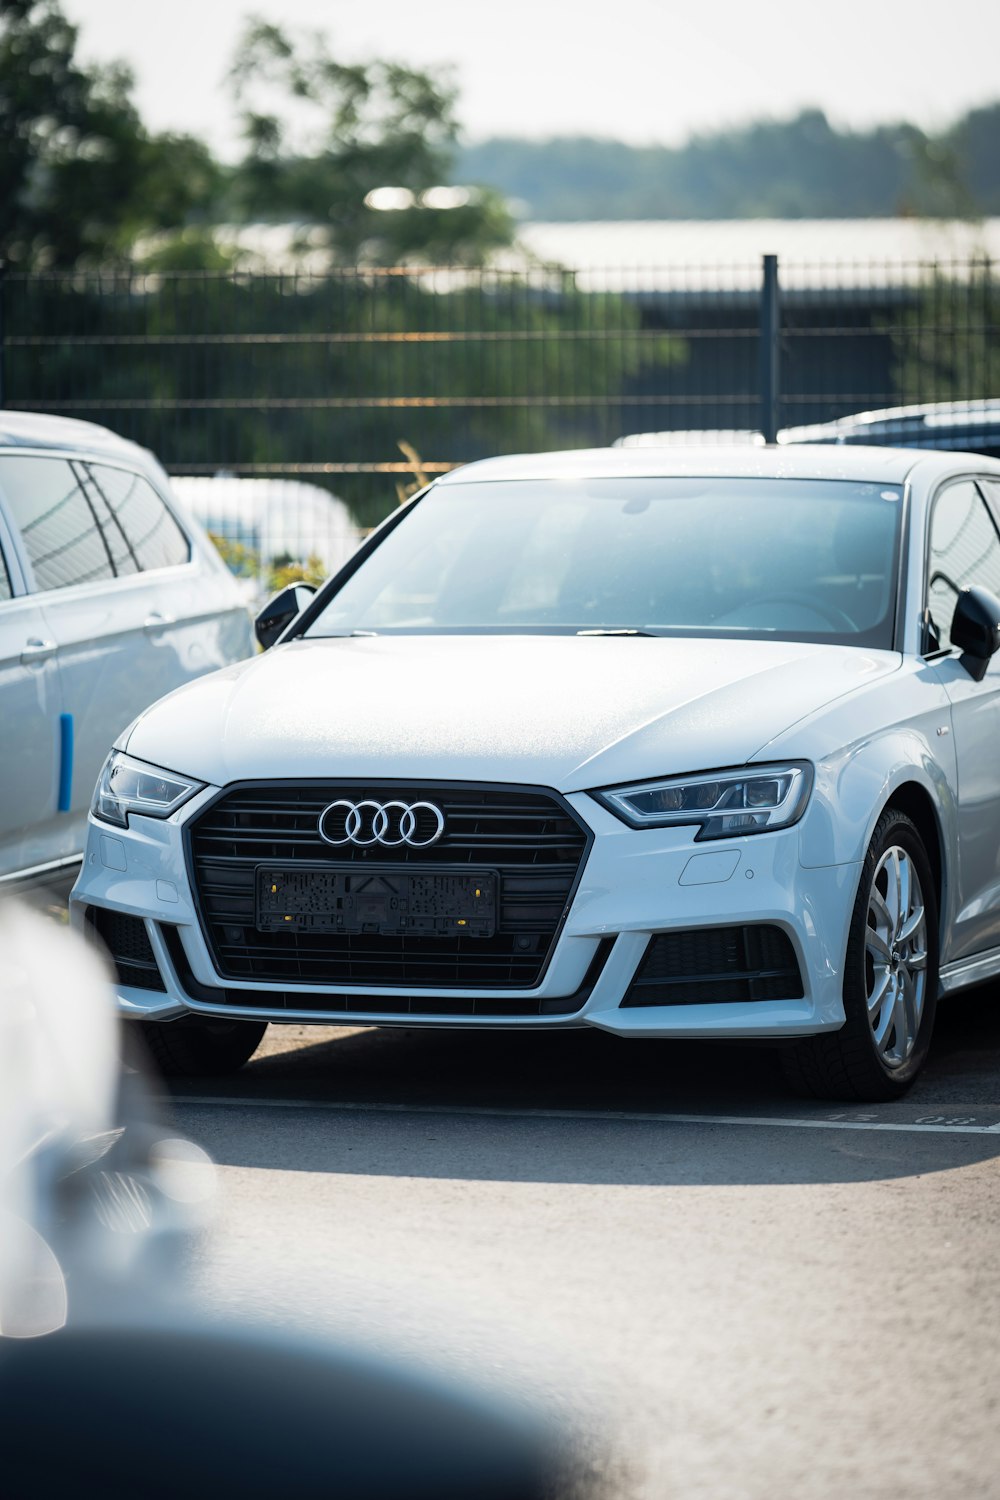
[(261, 525)]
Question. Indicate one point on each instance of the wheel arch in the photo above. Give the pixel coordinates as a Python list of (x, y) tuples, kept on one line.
[(855, 786), (915, 802), (851, 1063)]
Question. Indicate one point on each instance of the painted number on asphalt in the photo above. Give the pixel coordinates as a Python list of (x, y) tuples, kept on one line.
[(947, 1120)]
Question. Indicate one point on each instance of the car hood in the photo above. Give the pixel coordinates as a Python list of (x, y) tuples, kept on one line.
[(565, 711)]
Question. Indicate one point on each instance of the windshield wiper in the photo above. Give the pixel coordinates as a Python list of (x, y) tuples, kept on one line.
[(617, 630)]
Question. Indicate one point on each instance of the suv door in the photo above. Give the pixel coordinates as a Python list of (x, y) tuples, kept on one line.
[(964, 549), (101, 547), (30, 832)]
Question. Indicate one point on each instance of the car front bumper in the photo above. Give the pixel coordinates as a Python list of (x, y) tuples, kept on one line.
[(635, 886)]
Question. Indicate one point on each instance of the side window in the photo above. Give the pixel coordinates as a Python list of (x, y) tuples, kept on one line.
[(123, 559), (147, 532), (964, 549), (56, 521), (991, 489), (6, 592)]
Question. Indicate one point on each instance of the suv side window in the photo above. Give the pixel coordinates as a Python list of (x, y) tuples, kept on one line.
[(123, 558), (991, 489), (964, 549), (6, 592), (146, 534), (56, 520)]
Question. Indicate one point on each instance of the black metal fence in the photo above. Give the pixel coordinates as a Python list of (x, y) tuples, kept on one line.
[(363, 380)]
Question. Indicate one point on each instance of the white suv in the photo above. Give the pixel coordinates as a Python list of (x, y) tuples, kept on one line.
[(110, 596)]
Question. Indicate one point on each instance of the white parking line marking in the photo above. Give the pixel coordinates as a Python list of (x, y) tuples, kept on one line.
[(495, 1112)]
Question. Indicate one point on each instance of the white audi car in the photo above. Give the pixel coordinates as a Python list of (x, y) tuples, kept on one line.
[(675, 744)]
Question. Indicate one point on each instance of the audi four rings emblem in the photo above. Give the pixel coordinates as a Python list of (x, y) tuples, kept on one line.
[(391, 824)]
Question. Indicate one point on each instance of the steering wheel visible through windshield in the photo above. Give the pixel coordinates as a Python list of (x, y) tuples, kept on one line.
[(786, 559)]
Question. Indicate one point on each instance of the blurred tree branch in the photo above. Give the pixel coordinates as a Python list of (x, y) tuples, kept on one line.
[(321, 134), (80, 176)]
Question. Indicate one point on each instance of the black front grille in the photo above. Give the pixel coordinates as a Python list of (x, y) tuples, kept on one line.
[(528, 835), (713, 965), (128, 943)]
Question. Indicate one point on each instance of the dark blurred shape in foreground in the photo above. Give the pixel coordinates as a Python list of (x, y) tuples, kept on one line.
[(129, 1412)]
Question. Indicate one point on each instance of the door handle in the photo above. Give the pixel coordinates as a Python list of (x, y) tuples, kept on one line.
[(35, 649), (156, 621)]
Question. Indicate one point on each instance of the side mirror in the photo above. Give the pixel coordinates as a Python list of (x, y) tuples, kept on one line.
[(279, 612), (975, 629)]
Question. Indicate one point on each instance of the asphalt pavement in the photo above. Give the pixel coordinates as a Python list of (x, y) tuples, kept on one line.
[(720, 1290)]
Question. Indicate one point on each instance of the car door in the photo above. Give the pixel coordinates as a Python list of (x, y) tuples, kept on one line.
[(964, 549), (32, 832)]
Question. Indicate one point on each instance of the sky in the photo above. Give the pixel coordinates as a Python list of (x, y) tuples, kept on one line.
[(644, 71)]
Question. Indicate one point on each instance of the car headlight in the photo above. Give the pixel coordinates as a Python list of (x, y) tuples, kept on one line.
[(723, 804), (126, 785)]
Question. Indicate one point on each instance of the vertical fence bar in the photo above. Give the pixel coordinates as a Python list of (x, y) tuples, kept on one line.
[(770, 331)]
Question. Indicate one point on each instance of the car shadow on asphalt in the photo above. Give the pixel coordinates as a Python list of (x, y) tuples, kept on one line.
[(586, 1068), (547, 1107)]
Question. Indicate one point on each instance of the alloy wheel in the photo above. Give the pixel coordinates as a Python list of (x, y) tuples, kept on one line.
[(895, 957)]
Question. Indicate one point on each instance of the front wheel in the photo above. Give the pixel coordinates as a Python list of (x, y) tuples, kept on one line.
[(200, 1046), (890, 978)]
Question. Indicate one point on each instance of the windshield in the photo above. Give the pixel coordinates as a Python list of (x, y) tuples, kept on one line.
[(784, 559)]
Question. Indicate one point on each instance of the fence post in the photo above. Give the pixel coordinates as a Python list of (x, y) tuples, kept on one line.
[(770, 332)]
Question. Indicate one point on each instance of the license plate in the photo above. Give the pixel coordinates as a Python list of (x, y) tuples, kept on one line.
[(385, 902)]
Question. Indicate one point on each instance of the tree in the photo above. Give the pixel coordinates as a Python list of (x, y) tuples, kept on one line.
[(80, 177), (975, 140), (322, 134), (801, 167)]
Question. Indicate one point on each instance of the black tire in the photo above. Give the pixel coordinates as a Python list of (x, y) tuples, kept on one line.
[(200, 1046), (889, 1006)]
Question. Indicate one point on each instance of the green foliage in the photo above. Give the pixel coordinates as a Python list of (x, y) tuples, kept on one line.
[(974, 146), (244, 562), (285, 572), (80, 177), (240, 559), (194, 249), (797, 168)]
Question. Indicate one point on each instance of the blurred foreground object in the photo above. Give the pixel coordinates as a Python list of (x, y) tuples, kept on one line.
[(98, 1202), (110, 1384)]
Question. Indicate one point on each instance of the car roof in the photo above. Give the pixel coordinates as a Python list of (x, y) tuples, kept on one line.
[(32, 429), (689, 437), (787, 461)]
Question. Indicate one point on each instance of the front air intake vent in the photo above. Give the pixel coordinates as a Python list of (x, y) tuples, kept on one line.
[(717, 965), (127, 942)]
